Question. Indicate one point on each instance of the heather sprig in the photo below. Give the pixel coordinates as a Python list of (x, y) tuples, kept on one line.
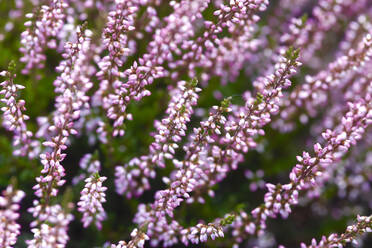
[(92, 197), (138, 240), (355, 31), (306, 99), (352, 232), (279, 198), (149, 66), (42, 30), (153, 218), (133, 178), (120, 22), (357, 86), (196, 170), (351, 176), (327, 15), (53, 231), (246, 124), (201, 232), (214, 52), (14, 117), (9, 213), (71, 87)]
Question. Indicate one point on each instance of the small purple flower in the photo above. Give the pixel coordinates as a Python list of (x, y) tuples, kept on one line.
[(92, 197), (9, 206), (14, 117)]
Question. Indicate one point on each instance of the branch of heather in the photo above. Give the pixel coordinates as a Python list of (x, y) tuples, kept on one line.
[(14, 117), (132, 178), (71, 86), (362, 225), (303, 176), (193, 171)]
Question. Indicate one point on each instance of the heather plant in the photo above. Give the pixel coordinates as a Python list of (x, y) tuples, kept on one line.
[(185, 123)]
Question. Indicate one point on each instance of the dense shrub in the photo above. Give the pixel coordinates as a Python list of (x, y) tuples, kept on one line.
[(240, 123)]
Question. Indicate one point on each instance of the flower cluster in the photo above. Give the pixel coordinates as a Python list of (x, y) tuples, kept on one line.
[(42, 31), (351, 176), (363, 225), (327, 13), (246, 124), (201, 233), (198, 170), (138, 240), (9, 207), (148, 68), (279, 198), (92, 197), (176, 32), (310, 96), (53, 232), (115, 39), (71, 86), (132, 179), (355, 32), (14, 117), (214, 53)]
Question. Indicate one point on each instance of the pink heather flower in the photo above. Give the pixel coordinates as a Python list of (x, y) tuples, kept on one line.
[(194, 170), (9, 206), (306, 36), (71, 87), (75, 71), (154, 216), (179, 45), (244, 125), (149, 67), (200, 233), (138, 240), (92, 197), (326, 14), (354, 88), (351, 176), (279, 198), (359, 89), (120, 22), (171, 232), (225, 56), (159, 229), (190, 170), (53, 232), (363, 225), (132, 179), (175, 33), (354, 33), (41, 32), (325, 17), (14, 117), (313, 94)]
